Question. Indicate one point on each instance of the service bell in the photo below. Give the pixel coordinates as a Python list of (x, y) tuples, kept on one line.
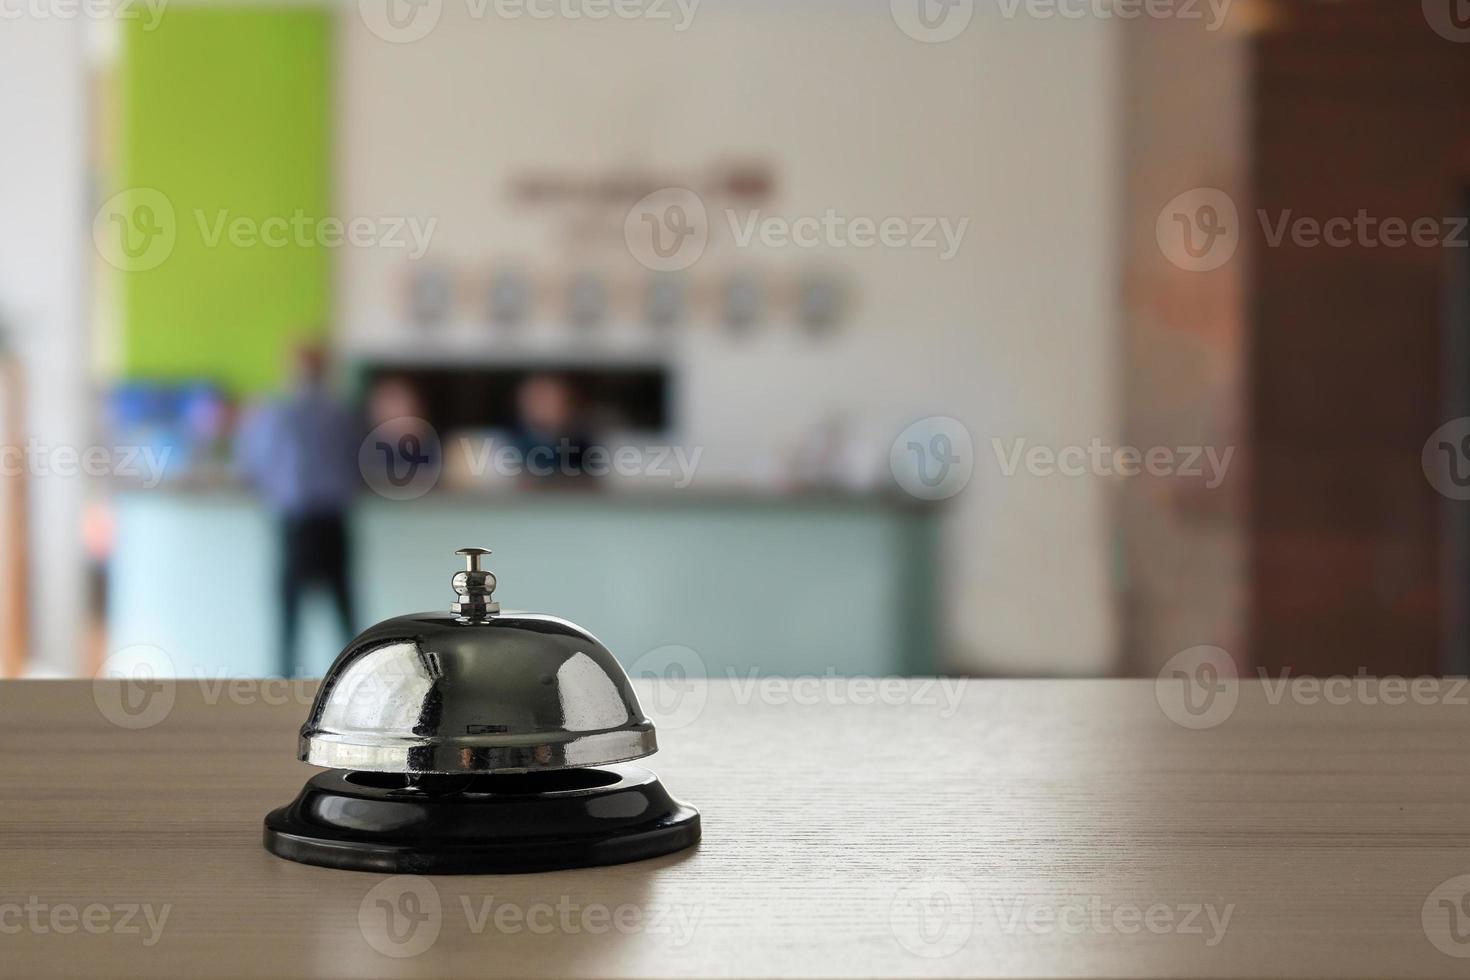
[(471, 741)]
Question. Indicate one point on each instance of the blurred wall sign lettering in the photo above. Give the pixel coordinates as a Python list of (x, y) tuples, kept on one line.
[(743, 183)]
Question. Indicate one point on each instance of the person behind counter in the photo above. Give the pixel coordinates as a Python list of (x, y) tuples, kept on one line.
[(299, 452), (551, 432)]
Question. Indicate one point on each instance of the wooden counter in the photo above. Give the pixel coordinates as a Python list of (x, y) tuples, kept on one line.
[(1031, 829)]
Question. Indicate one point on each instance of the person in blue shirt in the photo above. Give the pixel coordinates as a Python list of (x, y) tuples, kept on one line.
[(550, 432), (299, 452)]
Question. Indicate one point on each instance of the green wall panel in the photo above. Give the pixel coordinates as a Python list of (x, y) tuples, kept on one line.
[(227, 112)]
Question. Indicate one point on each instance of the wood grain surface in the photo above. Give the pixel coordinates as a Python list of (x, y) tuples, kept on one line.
[(1030, 828)]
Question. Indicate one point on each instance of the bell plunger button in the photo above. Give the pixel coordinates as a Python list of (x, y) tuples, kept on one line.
[(474, 587)]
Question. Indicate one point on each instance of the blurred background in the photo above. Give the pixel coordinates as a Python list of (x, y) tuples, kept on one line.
[(854, 337)]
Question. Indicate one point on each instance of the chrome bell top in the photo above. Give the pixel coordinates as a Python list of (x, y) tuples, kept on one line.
[(474, 690)]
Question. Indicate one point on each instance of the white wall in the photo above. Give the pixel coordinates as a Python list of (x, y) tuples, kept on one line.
[(1014, 124), (44, 229)]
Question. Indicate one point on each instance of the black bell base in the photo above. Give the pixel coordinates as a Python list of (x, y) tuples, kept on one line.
[(494, 823)]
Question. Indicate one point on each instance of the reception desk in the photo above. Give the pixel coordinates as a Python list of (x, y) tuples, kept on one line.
[(809, 584)]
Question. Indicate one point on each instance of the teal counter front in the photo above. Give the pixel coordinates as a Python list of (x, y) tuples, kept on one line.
[(754, 585)]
